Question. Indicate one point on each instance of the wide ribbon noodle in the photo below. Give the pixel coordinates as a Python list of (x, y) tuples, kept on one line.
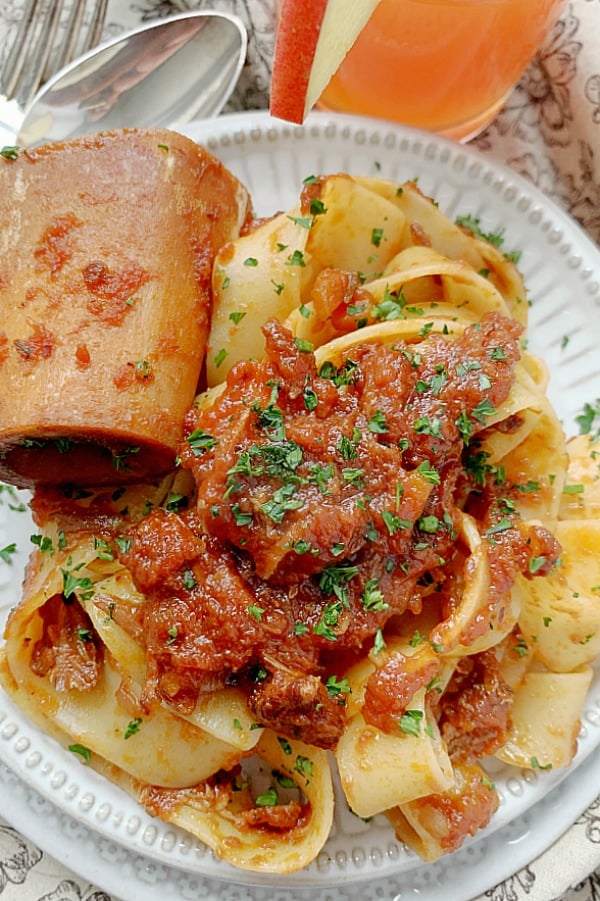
[(372, 554)]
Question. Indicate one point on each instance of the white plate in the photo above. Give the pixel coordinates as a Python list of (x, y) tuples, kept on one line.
[(94, 825)]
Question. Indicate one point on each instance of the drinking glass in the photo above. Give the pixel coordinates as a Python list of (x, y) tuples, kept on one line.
[(443, 65)]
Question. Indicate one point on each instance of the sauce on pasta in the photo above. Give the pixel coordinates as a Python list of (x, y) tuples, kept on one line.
[(363, 557)]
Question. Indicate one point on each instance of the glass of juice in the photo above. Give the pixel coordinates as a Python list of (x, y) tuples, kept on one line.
[(442, 65)]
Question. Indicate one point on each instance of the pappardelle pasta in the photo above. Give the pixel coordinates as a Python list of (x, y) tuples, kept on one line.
[(365, 560)]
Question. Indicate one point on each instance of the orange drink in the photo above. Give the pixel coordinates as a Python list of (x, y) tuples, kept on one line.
[(443, 65)]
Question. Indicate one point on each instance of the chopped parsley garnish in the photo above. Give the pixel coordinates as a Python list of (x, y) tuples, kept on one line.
[(573, 489), (142, 369), (44, 542), (378, 642), (376, 237), (311, 401), (329, 618), (345, 375), (270, 418), (353, 476), (320, 475), (334, 579), (521, 648), (220, 357), (7, 551), (464, 426), (536, 765), (391, 307), (278, 460), (176, 502), (302, 221), (303, 765), (394, 523), (347, 446), (120, 459), (377, 423), (133, 727), (201, 442), (268, 799), (411, 721), (430, 524), (77, 585), (372, 596), (256, 612), (473, 224), (336, 687), (82, 751), (124, 544), (501, 526), (586, 420), (301, 546), (241, 517), (104, 550), (428, 472), (424, 425), (9, 494), (281, 502), (482, 411), (536, 563), (296, 259), (468, 366), (479, 469)]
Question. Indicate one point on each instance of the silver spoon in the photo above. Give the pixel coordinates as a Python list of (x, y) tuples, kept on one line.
[(166, 73)]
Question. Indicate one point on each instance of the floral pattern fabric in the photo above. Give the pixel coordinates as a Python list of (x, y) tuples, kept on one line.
[(548, 132)]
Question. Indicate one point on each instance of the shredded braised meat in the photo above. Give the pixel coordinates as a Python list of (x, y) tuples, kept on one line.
[(300, 706), (451, 816), (475, 708), (392, 686), (68, 651), (216, 795), (326, 504)]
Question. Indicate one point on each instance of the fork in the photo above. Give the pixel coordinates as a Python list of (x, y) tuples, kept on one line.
[(33, 56)]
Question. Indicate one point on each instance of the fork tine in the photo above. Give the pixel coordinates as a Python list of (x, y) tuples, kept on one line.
[(33, 58), (29, 67), (96, 25), (14, 60), (69, 46), (69, 43)]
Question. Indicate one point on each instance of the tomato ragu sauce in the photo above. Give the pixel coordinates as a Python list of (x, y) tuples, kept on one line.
[(325, 504)]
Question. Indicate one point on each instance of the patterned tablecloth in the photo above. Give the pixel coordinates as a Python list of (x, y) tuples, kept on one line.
[(549, 132)]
